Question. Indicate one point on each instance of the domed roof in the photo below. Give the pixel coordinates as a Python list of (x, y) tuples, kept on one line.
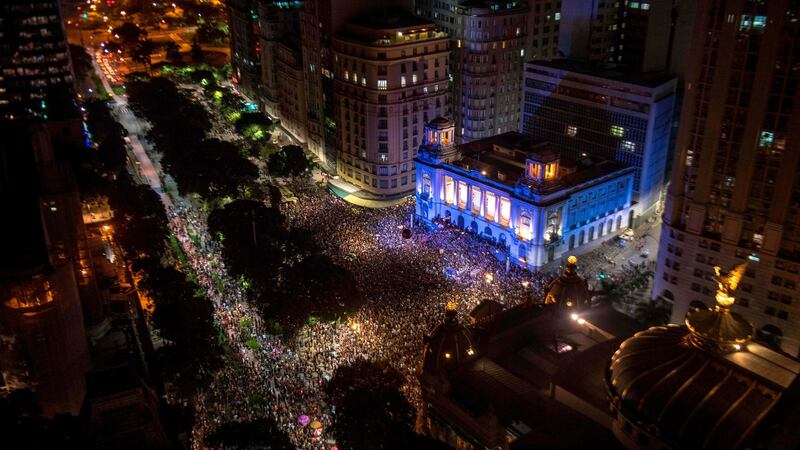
[(449, 344), (569, 290), (440, 123), (691, 385)]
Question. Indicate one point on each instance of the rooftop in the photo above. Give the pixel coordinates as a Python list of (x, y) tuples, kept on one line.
[(502, 159), (648, 79), (389, 27)]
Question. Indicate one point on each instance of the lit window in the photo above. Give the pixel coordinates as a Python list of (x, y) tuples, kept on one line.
[(617, 131), (645, 6), (425, 89), (476, 200), (402, 81), (558, 16), (449, 190), (414, 78), (766, 139), (635, 5), (347, 75), (749, 22), (363, 81), (522, 53), (572, 130), (505, 211), (491, 206), (436, 88), (382, 85), (462, 194), (629, 146)]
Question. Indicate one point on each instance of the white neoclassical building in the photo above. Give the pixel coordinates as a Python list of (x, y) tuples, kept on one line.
[(521, 193)]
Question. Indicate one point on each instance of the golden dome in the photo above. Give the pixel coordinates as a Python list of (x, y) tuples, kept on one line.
[(569, 290)]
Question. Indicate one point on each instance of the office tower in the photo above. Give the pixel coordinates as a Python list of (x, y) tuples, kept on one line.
[(488, 45), (544, 28), (43, 344), (391, 80), (640, 35), (585, 110), (245, 45), (735, 190), (36, 79)]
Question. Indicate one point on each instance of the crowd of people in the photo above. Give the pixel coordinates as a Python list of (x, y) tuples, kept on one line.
[(406, 280)]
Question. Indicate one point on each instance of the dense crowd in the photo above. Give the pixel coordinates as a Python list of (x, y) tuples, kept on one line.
[(406, 282)]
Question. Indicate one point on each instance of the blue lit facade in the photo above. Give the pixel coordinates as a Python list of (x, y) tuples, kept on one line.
[(521, 195)]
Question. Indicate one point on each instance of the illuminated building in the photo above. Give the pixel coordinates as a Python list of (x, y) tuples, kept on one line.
[(279, 25), (45, 271), (391, 80), (488, 41), (604, 113), (704, 385), (36, 78), (526, 377), (521, 194), (735, 190)]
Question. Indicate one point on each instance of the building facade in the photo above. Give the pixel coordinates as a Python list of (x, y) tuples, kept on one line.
[(488, 40), (245, 45), (544, 28), (36, 79), (735, 190), (47, 290), (604, 113), (521, 194), (643, 36), (391, 79)]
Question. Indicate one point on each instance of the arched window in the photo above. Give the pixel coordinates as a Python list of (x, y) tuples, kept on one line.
[(609, 224), (572, 242), (525, 229), (619, 222), (591, 234), (523, 252), (582, 238), (426, 185), (667, 294)]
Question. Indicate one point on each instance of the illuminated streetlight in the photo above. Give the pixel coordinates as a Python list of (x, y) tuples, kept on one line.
[(573, 316), (581, 321)]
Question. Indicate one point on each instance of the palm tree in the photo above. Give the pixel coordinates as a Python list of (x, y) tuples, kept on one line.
[(143, 52)]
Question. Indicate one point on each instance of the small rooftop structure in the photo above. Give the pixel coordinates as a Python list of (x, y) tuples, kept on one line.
[(449, 344)]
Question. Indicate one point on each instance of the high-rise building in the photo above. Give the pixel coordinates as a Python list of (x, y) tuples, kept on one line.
[(735, 190), (36, 78), (544, 27), (604, 113), (278, 23), (640, 35), (245, 45), (43, 342), (391, 80), (488, 40)]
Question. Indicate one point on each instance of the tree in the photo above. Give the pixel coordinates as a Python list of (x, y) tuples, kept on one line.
[(240, 435), (173, 52), (255, 126), (213, 170), (252, 237), (317, 286), (186, 319), (291, 160), (129, 33), (370, 408), (143, 53), (651, 313), (197, 51), (140, 223)]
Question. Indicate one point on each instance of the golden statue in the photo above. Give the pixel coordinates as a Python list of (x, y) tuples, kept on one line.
[(727, 284), (721, 328)]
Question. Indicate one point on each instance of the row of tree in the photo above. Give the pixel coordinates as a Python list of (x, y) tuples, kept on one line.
[(210, 168)]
